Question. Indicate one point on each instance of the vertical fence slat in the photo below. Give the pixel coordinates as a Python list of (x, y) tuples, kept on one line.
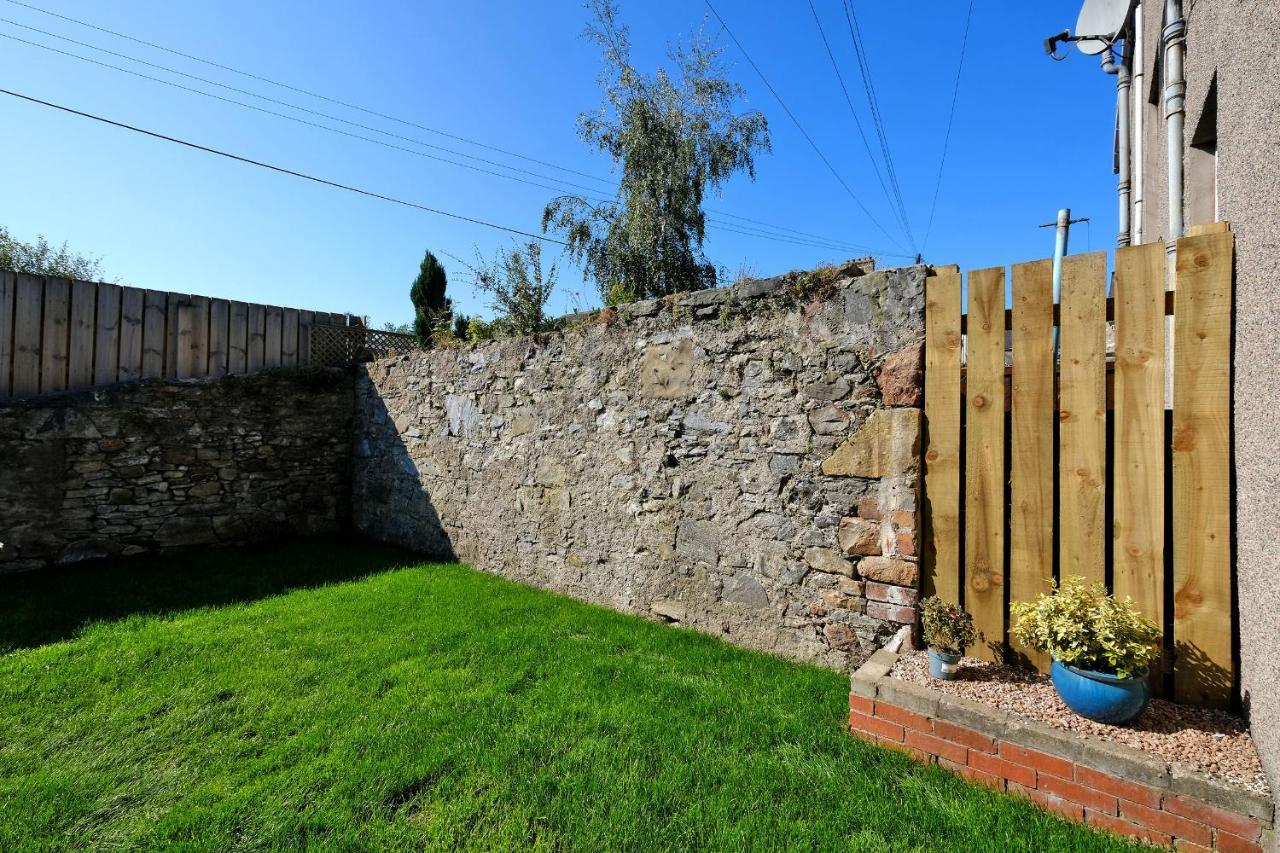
[(289, 337), (199, 336), (984, 460), (272, 340), (219, 336), (1032, 426), (26, 335), (1138, 527), (132, 301), (55, 336), (1203, 670), (306, 319), (84, 311), (172, 333), (183, 332), (1082, 479), (154, 317), (106, 341), (7, 288), (942, 429), (257, 337), (238, 338)]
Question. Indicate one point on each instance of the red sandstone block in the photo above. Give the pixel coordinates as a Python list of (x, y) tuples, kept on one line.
[(903, 518), (1236, 824), (1122, 788), (1228, 843), (1162, 821), (973, 774), (1036, 760), (937, 746), (1124, 827), (903, 717), (892, 594), (905, 544), (1077, 793), (861, 704), (1049, 802), (875, 726), (964, 736), (1019, 773), (891, 612)]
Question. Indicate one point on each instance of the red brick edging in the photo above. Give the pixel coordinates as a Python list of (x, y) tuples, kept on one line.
[(1082, 778)]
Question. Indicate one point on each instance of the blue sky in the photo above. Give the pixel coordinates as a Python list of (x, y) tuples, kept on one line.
[(1030, 136)]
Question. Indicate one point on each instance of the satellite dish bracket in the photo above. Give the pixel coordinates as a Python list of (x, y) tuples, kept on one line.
[(1052, 42)]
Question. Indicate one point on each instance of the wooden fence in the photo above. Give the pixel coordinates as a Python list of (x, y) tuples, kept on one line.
[(60, 335), (1051, 457)]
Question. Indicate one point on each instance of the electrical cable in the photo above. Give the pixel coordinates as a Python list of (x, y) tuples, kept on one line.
[(946, 139)]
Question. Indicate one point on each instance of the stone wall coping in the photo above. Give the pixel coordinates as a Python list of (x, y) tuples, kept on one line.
[(873, 681)]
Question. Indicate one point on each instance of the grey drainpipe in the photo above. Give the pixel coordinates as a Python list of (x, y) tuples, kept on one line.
[(1175, 96), (1121, 70)]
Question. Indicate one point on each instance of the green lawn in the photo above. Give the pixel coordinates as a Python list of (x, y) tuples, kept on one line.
[(340, 695)]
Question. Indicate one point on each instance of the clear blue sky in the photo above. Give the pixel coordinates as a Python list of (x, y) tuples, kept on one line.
[(1030, 136)]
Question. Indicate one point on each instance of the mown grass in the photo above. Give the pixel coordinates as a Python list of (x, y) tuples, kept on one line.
[(335, 695)]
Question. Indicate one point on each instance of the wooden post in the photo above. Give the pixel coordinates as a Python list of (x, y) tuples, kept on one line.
[(56, 335)]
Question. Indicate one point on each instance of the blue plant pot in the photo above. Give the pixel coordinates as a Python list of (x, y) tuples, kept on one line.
[(943, 666), (1101, 697)]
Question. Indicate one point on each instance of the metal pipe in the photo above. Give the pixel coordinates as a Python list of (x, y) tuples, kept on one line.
[(1138, 98), (1060, 250), (1121, 70), (1175, 96)]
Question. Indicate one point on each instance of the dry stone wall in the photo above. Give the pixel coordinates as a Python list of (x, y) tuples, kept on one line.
[(162, 466), (742, 461)]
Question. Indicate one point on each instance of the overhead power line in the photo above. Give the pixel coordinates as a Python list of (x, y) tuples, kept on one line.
[(857, 122), (729, 31), (280, 169), (339, 102), (311, 94), (800, 238), (873, 101), (946, 139)]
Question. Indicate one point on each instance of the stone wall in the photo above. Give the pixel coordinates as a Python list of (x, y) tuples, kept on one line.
[(161, 466), (742, 461)]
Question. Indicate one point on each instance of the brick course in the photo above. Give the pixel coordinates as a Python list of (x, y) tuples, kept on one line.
[(1068, 786)]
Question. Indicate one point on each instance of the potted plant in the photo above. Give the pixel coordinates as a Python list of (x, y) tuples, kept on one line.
[(948, 631), (1101, 648)]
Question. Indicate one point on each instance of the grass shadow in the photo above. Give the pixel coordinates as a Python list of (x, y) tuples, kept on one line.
[(57, 603)]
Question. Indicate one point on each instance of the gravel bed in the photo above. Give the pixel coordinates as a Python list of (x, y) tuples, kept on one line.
[(1213, 742)]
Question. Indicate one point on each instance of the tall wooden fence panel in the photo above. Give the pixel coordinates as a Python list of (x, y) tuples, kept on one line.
[(58, 335), (1049, 453)]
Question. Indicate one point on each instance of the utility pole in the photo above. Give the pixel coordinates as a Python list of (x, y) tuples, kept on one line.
[(1063, 226)]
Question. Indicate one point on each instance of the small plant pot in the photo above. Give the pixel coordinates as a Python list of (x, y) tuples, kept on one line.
[(1101, 697), (943, 665)]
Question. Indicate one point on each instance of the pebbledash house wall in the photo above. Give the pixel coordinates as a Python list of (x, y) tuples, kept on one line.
[(162, 466), (742, 461)]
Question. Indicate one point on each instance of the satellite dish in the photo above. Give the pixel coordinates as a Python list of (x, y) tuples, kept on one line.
[(1103, 18)]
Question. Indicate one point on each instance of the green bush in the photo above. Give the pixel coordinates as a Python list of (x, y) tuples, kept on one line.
[(947, 627), (1080, 624)]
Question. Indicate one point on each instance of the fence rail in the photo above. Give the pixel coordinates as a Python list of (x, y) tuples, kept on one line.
[(1066, 463), (61, 335)]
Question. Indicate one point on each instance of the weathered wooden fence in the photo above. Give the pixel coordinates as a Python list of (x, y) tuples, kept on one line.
[(59, 335), (1051, 457)]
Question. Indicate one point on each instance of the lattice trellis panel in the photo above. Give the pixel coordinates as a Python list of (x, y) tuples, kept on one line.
[(336, 346)]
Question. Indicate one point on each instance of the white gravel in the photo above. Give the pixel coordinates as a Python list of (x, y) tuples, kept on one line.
[(1214, 742)]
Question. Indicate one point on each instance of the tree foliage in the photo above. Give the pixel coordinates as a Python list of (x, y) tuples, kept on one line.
[(431, 309), (673, 140), (516, 282), (42, 258)]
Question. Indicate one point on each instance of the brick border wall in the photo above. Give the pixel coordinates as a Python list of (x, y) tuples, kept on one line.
[(1104, 784)]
